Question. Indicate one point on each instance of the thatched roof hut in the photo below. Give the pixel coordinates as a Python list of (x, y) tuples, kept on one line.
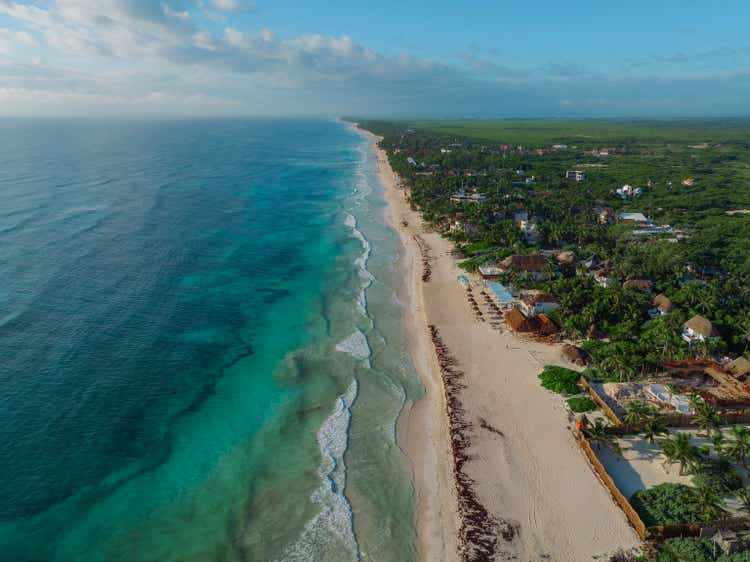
[(663, 304), (740, 367), (545, 326), (644, 285), (518, 322), (701, 326), (575, 355)]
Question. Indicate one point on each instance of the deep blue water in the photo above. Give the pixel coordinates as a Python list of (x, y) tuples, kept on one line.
[(167, 295)]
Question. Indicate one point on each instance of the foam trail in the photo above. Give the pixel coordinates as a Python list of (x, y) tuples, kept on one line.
[(331, 530), (361, 262), (356, 345)]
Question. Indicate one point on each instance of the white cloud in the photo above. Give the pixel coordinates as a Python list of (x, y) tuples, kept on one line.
[(233, 5), (154, 56), (12, 41)]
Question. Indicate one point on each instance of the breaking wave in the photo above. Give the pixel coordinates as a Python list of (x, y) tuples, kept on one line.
[(330, 534)]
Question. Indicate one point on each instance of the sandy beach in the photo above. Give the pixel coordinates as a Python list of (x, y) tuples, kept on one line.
[(527, 469)]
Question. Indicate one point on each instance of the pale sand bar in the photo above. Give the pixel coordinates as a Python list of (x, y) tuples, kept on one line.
[(534, 474)]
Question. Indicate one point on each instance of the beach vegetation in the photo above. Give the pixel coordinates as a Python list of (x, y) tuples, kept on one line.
[(716, 474), (560, 380), (581, 404), (684, 549), (601, 433), (638, 413), (678, 449), (706, 416), (737, 445), (666, 504), (652, 428)]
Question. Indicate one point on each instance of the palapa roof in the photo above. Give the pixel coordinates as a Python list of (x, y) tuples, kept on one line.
[(566, 257), (663, 303), (545, 326), (739, 367), (574, 354), (641, 284), (702, 326), (518, 322), (540, 297), (531, 262)]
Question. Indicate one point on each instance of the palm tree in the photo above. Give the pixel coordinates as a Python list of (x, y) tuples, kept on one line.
[(601, 434), (743, 494), (706, 417), (709, 504), (679, 450), (718, 441), (738, 447), (637, 413), (652, 428)]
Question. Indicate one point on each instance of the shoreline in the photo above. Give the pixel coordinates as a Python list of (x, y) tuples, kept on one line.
[(423, 430), (524, 465)]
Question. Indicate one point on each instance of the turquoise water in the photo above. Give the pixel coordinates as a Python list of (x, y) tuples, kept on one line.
[(201, 342)]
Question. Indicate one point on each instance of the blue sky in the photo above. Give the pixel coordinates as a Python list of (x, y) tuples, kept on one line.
[(407, 58)]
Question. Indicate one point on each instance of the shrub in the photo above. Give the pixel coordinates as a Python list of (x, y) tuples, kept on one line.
[(476, 247), (666, 504), (580, 404), (736, 557), (718, 475), (560, 380), (680, 550)]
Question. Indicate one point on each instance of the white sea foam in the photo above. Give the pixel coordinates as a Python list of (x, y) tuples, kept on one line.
[(331, 531), (361, 262), (356, 345)]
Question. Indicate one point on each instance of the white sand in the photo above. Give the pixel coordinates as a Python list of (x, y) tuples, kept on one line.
[(535, 474)]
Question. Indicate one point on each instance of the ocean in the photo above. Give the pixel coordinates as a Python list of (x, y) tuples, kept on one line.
[(201, 343)]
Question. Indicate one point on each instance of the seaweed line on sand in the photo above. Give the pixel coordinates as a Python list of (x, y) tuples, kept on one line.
[(479, 531)]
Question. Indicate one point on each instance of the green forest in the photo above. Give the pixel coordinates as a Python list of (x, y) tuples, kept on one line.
[(693, 180)]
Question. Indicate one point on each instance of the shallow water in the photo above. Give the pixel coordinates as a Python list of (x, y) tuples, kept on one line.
[(202, 349)]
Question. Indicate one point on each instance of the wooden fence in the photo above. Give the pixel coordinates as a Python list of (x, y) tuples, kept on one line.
[(609, 412), (614, 491), (653, 532)]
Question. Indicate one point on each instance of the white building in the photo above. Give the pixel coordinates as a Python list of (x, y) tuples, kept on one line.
[(531, 305)]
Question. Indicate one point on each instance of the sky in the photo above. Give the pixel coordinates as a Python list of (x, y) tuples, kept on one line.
[(406, 58)]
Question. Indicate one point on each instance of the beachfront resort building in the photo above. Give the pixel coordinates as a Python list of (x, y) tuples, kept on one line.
[(606, 215), (534, 265), (638, 218), (533, 304), (698, 330), (644, 285), (629, 192), (575, 175), (662, 306), (489, 272), (464, 227), (463, 197)]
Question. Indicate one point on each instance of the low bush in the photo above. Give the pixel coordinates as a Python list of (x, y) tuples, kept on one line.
[(718, 475), (560, 380), (581, 404), (681, 550), (666, 504), (476, 247)]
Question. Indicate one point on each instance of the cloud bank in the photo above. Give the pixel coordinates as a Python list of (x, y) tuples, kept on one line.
[(131, 57)]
